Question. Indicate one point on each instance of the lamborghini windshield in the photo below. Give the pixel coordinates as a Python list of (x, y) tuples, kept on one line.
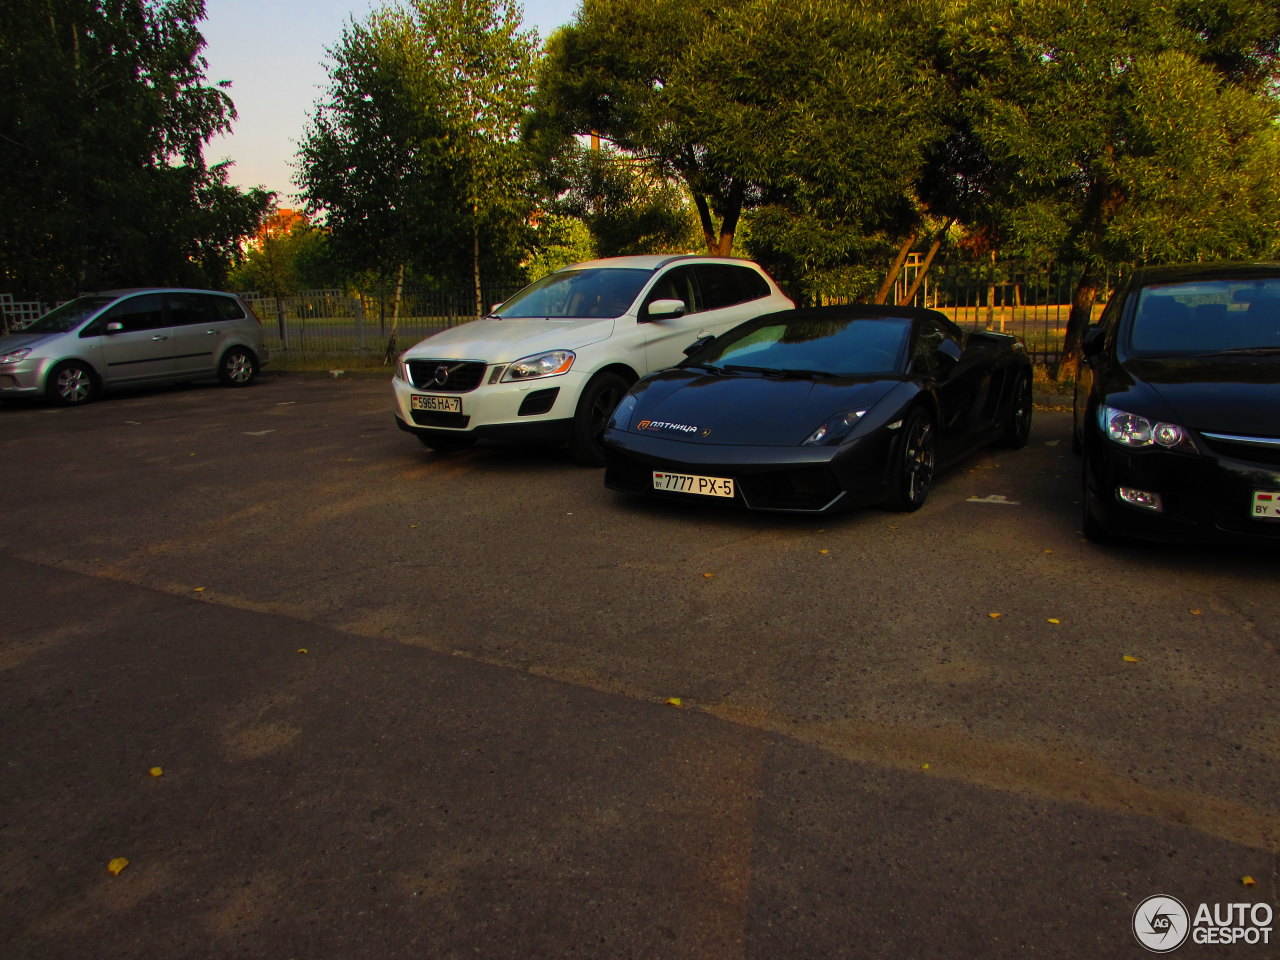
[(793, 342)]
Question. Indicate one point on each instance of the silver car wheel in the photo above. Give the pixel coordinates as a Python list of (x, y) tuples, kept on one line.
[(238, 367), (72, 384)]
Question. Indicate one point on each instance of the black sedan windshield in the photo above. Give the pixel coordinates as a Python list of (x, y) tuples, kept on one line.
[(575, 294), (798, 342), (1207, 317), (68, 316)]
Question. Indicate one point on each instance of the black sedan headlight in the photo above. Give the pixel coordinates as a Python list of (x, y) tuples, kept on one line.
[(1136, 432)]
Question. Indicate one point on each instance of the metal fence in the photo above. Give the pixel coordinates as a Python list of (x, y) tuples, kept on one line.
[(15, 314), (329, 324), (1032, 303), (332, 325)]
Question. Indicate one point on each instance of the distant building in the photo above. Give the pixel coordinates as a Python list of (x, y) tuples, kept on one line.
[(278, 224)]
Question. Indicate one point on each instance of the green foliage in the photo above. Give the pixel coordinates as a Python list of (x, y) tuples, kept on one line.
[(560, 241), (288, 263), (626, 208), (102, 127), (414, 156), (1108, 131), (821, 107)]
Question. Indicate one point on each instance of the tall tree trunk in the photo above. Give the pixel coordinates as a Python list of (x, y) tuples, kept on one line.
[(1083, 297), (892, 276), (928, 262), (392, 354), (991, 294), (708, 226), (475, 259), (729, 223)]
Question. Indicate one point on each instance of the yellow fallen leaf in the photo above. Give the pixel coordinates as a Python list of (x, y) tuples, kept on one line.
[(156, 771), (1129, 659), (709, 576), (674, 701), (824, 551), (197, 589), (1048, 551), (994, 616), (115, 866), (924, 767), (303, 650), (1196, 613), (1248, 881), (1054, 620)]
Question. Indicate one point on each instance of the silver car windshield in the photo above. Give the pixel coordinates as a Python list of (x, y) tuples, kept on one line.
[(1207, 317), (68, 316), (575, 294)]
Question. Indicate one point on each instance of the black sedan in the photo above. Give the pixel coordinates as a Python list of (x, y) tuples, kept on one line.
[(1177, 410), (820, 409)]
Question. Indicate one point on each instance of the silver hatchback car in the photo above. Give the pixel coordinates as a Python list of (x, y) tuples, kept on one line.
[(120, 338)]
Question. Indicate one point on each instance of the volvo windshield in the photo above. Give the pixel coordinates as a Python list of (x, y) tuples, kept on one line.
[(575, 294)]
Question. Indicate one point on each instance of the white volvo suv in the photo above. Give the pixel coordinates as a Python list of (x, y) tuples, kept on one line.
[(550, 364)]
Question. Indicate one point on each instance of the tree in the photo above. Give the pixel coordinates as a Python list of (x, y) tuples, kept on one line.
[(285, 263), (818, 111), (561, 241), (371, 164), (415, 147), (1112, 131), (102, 129), (483, 65), (625, 207)]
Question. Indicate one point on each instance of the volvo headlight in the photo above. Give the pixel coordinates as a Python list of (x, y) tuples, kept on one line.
[(13, 356), (550, 364), (1131, 430), (836, 428)]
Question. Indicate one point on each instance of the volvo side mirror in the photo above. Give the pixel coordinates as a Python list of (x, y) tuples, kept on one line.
[(664, 309)]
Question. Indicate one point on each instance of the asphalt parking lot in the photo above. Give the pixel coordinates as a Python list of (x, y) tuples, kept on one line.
[(475, 705)]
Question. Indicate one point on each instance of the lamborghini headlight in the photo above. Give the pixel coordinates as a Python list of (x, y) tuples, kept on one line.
[(836, 428)]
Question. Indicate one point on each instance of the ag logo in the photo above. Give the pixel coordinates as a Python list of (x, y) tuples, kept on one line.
[(1161, 924)]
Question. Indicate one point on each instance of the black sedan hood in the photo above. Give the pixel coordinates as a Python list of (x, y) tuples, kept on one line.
[(1239, 394), (746, 409)]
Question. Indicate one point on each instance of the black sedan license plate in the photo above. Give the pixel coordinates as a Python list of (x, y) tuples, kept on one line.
[(1266, 503), (688, 483), (436, 404)]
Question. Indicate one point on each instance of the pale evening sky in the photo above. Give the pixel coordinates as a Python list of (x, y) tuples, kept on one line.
[(275, 53)]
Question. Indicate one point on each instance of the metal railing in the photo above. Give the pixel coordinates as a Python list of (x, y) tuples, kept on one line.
[(328, 323), (1032, 303), (16, 314)]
